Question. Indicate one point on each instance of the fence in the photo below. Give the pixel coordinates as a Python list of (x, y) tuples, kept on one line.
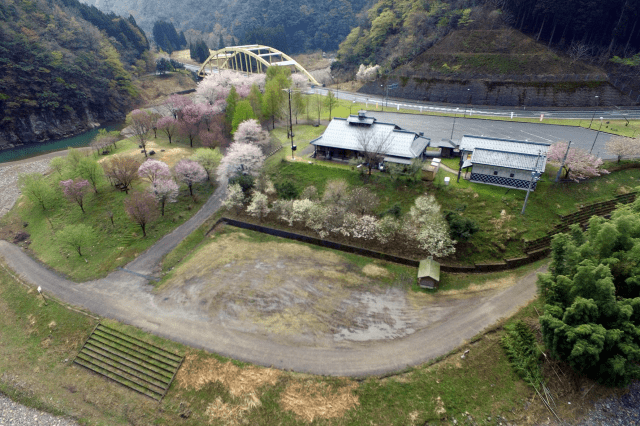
[(476, 268), (627, 85), (581, 217)]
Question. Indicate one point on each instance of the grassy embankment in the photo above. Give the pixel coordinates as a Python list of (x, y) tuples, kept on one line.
[(40, 342), (116, 243), (496, 210)]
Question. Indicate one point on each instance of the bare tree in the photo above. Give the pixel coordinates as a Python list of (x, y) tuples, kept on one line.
[(579, 51), (373, 145)]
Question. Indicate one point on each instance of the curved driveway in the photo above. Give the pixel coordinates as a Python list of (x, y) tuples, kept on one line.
[(128, 298)]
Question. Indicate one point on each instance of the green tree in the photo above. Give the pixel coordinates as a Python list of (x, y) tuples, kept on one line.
[(89, 169), (255, 99), (242, 112), (37, 189), (209, 159), (232, 101), (592, 295), (272, 101), (330, 101), (76, 237), (298, 104)]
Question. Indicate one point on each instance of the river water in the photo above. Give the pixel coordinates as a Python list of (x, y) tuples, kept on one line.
[(32, 150)]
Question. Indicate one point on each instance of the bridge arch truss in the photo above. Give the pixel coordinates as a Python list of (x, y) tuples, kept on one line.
[(253, 58)]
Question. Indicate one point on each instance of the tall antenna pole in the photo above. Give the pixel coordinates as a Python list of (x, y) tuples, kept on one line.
[(293, 147)]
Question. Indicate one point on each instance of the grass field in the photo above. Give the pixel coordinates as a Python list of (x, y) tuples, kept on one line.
[(40, 342), (115, 244)]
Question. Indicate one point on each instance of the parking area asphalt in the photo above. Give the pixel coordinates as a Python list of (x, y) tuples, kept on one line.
[(437, 128)]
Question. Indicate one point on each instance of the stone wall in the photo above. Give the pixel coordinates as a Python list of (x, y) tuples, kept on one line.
[(502, 93)]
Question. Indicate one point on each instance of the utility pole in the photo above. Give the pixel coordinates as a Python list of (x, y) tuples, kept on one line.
[(534, 176), (293, 147), (596, 138), (562, 164), (455, 115)]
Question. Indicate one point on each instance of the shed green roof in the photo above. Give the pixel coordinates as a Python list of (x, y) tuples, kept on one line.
[(429, 268)]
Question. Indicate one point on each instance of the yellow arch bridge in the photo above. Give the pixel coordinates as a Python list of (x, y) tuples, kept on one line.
[(253, 58)]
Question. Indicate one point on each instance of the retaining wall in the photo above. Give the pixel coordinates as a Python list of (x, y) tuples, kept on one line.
[(501, 93)]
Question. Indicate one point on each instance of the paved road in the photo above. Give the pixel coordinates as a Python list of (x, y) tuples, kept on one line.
[(128, 298), (438, 128)]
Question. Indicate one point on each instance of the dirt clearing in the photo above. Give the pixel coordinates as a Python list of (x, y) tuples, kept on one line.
[(297, 294)]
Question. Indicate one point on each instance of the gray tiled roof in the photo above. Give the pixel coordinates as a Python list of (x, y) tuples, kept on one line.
[(343, 135), (470, 143), (511, 160)]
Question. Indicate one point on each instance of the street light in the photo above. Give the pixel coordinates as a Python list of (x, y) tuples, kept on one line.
[(468, 102), (597, 133), (352, 104), (594, 112)]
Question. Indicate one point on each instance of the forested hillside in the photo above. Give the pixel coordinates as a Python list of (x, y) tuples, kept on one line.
[(397, 32), (290, 25), (63, 67)]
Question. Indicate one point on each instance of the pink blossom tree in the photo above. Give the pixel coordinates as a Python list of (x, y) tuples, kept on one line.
[(579, 163), (164, 191), (250, 131), (191, 121), (75, 190), (299, 81), (175, 103), (169, 125), (153, 170), (142, 208), (141, 121), (241, 158), (216, 86), (190, 172)]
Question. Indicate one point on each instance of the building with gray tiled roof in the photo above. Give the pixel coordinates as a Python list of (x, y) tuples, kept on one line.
[(343, 139), (503, 162)]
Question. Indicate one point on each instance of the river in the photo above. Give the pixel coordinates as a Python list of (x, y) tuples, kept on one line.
[(38, 148)]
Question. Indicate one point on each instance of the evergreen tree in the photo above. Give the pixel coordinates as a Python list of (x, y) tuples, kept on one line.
[(232, 101), (592, 295), (242, 113)]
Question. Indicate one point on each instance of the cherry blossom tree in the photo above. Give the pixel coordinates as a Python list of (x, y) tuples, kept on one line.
[(175, 103), (209, 159), (250, 131), (169, 125), (142, 208), (154, 117), (75, 190), (153, 170), (216, 86), (191, 121), (190, 172), (259, 206), (235, 198), (123, 171), (579, 163), (241, 158), (141, 124), (164, 191), (623, 147), (424, 224), (299, 81)]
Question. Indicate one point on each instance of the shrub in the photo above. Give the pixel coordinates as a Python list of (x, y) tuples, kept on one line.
[(287, 190)]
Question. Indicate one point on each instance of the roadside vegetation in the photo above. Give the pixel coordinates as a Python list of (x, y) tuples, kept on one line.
[(116, 225), (479, 388)]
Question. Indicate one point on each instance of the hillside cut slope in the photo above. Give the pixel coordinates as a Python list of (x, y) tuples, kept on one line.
[(64, 67)]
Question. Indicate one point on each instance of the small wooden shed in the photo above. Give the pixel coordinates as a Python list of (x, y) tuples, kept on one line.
[(429, 273)]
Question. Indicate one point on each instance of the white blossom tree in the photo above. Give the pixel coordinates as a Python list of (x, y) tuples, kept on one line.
[(165, 191), (259, 206), (623, 147), (425, 224), (250, 131), (241, 158), (153, 170), (235, 198)]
